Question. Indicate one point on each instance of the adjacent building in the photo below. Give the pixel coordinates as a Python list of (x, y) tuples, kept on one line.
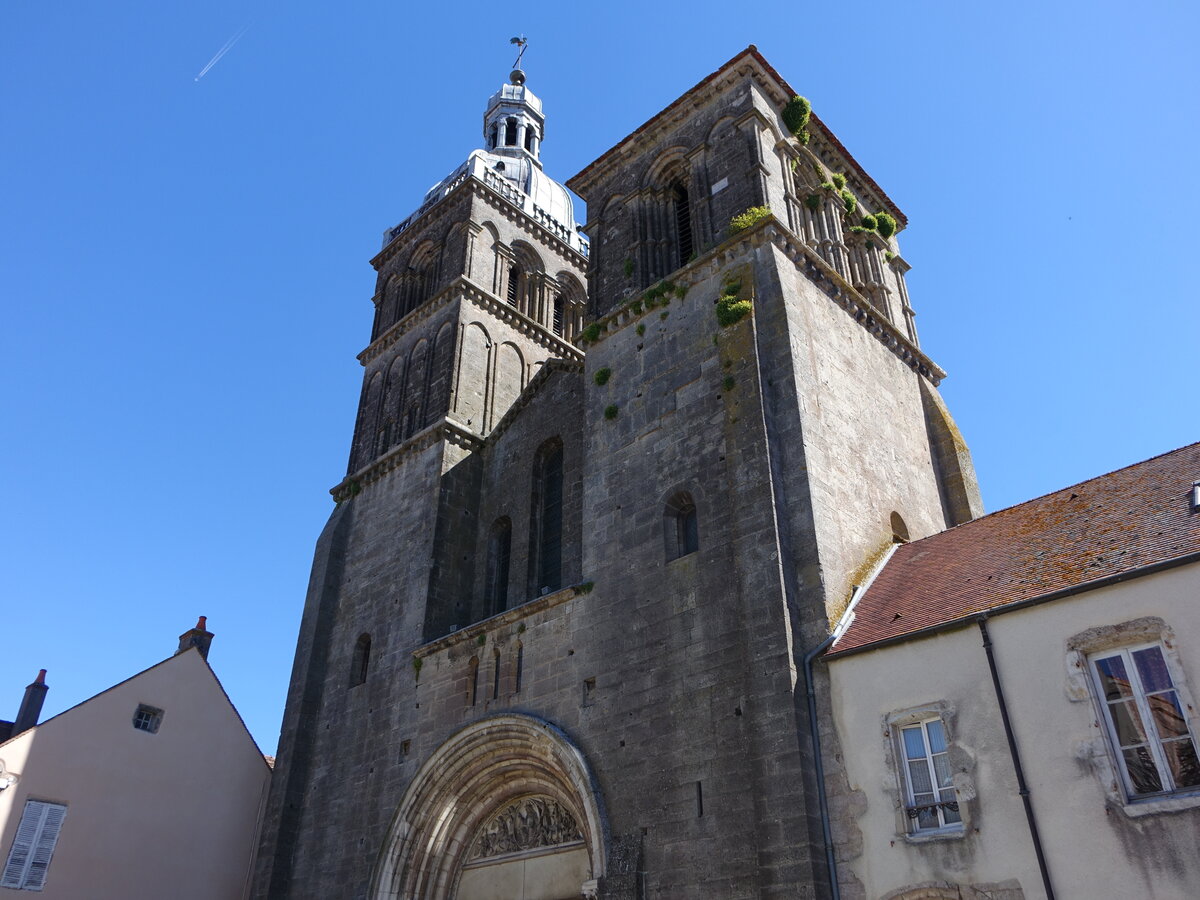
[(1014, 701), (152, 788)]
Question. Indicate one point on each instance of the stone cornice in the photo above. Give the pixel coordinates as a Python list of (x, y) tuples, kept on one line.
[(465, 289), (501, 620), (834, 286), (472, 185), (844, 295), (445, 429)]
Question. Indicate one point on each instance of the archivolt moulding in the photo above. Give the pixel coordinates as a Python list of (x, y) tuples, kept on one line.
[(461, 787)]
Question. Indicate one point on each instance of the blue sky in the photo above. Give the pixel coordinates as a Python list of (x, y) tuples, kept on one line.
[(184, 263)]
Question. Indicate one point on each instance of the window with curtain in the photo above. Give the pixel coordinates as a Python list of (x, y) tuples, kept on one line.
[(1146, 722), (931, 803)]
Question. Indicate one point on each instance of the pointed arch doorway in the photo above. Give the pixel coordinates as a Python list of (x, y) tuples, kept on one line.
[(506, 809)]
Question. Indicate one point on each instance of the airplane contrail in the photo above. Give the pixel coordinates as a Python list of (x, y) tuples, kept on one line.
[(228, 46)]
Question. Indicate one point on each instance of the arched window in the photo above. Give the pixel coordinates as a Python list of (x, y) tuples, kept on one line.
[(681, 532), (559, 317), (510, 132), (545, 531), (683, 223), (529, 139), (515, 282), (361, 660), (899, 529), (495, 591), (493, 135)]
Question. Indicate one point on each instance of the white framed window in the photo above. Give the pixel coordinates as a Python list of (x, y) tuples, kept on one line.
[(1144, 716), (147, 718), (930, 802), (33, 845)]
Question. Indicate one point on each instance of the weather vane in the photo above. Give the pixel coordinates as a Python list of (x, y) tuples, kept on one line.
[(522, 42)]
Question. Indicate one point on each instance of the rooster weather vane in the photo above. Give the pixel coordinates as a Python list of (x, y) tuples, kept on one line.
[(522, 42)]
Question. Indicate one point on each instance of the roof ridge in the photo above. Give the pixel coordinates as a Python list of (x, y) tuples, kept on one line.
[(1016, 506)]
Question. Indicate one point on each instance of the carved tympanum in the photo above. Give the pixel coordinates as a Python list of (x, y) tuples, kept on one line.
[(529, 823)]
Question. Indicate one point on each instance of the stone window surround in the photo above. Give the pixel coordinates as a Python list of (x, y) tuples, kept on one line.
[(1097, 751), (962, 762)]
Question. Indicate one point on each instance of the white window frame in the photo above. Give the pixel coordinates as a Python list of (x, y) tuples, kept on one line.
[(1141, 703), (910, 803), (33, 845)]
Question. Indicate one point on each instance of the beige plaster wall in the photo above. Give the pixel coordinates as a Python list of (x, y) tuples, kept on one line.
[(172, 814), (1096, 844)]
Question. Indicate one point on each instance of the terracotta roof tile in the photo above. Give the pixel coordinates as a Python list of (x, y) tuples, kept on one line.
[(1128, 519)]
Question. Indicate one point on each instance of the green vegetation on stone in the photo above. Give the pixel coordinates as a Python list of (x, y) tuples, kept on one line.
[(731, 310), (602, 375), (796, 114), (744, 220), (885, 225)]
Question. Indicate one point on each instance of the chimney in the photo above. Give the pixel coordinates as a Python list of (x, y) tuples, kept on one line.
[(31, 706), (199, 637)]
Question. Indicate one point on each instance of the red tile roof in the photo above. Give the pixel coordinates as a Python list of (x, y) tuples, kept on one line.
[(1097, 530)]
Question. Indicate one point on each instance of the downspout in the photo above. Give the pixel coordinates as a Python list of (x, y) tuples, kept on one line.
[(813, 729), (1022, 788)]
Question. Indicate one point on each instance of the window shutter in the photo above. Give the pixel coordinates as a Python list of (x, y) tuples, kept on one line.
[(44, 848), (29, 859)]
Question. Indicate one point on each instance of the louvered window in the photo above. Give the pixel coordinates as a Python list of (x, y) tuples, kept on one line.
[(683, 224), (514, 285), (558, 315), (29, 858)]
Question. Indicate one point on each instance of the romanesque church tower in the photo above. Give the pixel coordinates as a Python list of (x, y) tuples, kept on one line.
[(553, 637)]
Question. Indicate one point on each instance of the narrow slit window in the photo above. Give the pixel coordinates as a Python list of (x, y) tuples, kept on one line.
[(681, 528), (496, 674), (510, 133), (546, 522), (495, 598), (361, 660)]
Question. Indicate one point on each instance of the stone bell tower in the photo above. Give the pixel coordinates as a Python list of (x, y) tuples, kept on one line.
[(477, 292)]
